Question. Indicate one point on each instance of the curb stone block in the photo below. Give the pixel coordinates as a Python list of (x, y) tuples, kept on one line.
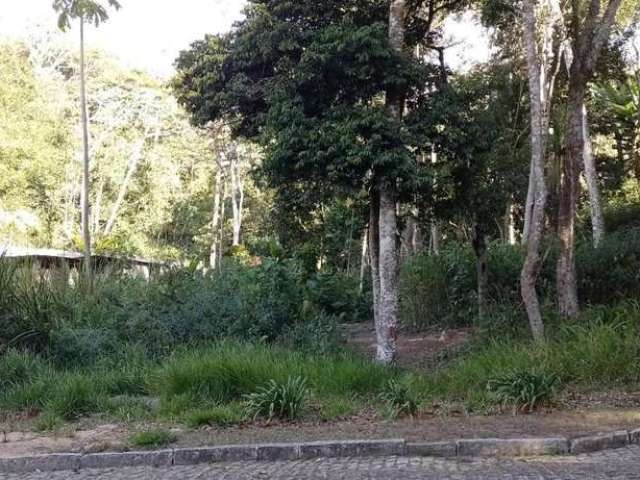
[(598, 442), (432, 449), (352, 448), (634, 436), (225, 453), (278, 451), (161, 458), (49, 463), (512, 447)]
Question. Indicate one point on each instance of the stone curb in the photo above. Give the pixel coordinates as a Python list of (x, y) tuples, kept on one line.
[(495, 447)]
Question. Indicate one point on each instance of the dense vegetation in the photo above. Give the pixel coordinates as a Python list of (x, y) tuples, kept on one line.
[(314, 167)]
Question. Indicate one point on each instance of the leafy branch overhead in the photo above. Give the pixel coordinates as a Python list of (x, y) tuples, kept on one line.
[(89, 10)]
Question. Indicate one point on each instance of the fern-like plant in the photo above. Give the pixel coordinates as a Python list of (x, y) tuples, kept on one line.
[(400, 399), (525, 390), (283, 400)]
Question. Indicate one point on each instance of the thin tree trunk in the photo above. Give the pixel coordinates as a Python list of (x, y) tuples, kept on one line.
[(86, 234), (528, 207), (237, 197), (97, 211), (374, 250), (363, 259), (434, 228), (132, 168), (508, 227), (213, 253), (539, 50), (591, 177)]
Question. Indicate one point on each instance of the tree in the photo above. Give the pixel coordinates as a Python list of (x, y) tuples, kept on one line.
[(92, 12), (589, 33), (542, 21), (324, 95)]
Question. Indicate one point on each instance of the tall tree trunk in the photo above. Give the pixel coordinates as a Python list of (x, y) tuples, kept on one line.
[(387, 326), (539, 52), (508, 226), (363, 259), (237, 197), (480, 249), (529, 203), (591, 33), (374, 250), (132, 168), (86, 233), (566, 279), (215, 221), (591, 177), (384, 229)]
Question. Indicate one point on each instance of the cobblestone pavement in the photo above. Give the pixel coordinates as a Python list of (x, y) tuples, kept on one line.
[(621, 464)]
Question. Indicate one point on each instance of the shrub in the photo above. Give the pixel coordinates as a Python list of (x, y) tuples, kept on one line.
[(72, 396), (19, 367), (338, 295), (399, 398), (283, 400), (525, 390), (318, 335), (152, 438)]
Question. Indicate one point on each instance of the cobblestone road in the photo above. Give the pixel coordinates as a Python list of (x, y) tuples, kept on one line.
[(621, 464)]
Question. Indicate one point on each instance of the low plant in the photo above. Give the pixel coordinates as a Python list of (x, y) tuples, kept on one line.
[(152, 438), (525, 390), (400, 399), (220, 415), (283, 400)]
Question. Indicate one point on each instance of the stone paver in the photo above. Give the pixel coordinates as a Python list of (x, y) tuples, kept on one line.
[(619, 464)]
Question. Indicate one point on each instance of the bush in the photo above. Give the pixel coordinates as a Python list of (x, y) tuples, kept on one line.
[(283, 400), (338, 295), (318, 335), (400, 399), (525, 390), (72, 396)]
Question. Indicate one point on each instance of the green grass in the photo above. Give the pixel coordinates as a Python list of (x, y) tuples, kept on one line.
[(209, 385), (218, 415), (152, 438)]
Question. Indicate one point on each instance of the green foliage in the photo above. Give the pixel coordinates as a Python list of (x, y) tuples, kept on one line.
[(152, 438), (602, 349), (319, 334), (338, 295), (282, 400), (220, 415), (72, 396), (525, 390), (400, 398)]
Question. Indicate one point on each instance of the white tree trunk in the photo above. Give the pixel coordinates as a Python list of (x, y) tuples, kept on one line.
[(215, 221), (539, 22), (385, 233), (86, 234), (528, 207), (237, 196), (363, 258), (132, 168), (591, 177), (386, 328)]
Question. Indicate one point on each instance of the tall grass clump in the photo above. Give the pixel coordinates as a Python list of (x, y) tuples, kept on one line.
[(228, 372)]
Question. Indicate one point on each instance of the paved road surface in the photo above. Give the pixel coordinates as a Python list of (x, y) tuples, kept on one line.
[(621, 464)]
